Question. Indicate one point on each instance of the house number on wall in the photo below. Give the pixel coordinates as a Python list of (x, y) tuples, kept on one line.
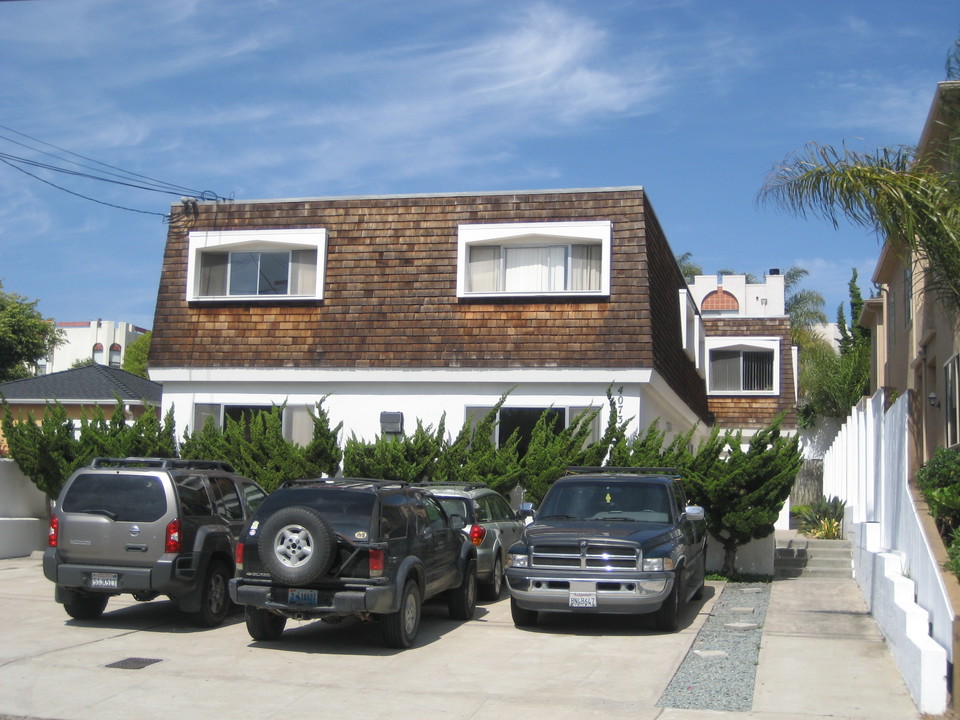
[(620, 404)]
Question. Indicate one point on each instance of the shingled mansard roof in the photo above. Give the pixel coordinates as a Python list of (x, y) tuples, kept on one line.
[(91, 383)]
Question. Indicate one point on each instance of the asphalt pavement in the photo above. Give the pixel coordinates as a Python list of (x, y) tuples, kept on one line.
[(820, 656)]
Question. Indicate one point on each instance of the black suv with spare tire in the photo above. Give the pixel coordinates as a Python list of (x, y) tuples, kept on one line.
[(329, 549), (148, 527)]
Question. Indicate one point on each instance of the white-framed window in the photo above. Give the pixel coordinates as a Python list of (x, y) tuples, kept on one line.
[(549, 258), (256, 264), (523, 420), (951, 403), (692, 330), (743, 366), (907, 294)]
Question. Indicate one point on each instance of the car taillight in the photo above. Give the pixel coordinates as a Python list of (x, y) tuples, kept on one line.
[(172, 543), (376, 563), (238, 556), (53, 534), (477, 533)]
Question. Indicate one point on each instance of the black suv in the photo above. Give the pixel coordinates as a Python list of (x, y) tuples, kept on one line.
[(331, 548), (148, 527), (610, 540)]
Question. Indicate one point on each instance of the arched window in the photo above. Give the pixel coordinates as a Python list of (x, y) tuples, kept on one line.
[(98, 353), (720, 302), (115, 355)]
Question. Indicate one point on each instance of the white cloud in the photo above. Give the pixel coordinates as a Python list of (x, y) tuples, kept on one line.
[(869, 101)]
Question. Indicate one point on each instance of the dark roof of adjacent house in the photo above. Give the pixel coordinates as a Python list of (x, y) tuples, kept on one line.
[(91, 383)]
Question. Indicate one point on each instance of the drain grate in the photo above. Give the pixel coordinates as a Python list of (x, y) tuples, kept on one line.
[(133, 663)]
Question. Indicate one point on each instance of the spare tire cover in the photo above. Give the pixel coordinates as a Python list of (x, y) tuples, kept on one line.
[(297, 545)]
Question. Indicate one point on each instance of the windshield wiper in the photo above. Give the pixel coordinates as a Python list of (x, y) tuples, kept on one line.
[(559, 517), (102, 511), (619, 518)]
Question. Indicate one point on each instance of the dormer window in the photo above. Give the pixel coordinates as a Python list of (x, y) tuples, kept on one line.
[(743, 366), (565, 258), (256, 264)]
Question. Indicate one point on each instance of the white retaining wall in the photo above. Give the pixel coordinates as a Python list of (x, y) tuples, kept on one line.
[(23, 513), (867, 466)]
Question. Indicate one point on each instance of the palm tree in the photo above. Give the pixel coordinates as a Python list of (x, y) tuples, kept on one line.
[(909, 201), (804, 307), (688, 267)]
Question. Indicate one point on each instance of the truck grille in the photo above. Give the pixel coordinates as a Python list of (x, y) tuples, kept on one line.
[(586, 556)]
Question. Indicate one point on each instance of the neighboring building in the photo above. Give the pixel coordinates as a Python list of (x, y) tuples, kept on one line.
[(914, 336), (751, 365), (401, 309), (79, 390), (103, 341)]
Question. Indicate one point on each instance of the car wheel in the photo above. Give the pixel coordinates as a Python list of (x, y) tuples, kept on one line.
[(521, 616), (400, 627), (214, 598), (492, 589), (296, 545), (462, 601), (86, 606), (264, 625), (667, 618)]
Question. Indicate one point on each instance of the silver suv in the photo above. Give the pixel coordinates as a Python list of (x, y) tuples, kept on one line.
[(148, 527), (492, 526)]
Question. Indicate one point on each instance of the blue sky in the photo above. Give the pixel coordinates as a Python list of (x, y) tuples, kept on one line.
[(251, 99)]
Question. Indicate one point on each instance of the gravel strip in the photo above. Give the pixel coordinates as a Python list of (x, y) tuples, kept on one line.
[(719, 670)]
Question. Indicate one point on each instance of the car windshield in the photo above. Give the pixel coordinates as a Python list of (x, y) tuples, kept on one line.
[(595, 500), (125, 498)]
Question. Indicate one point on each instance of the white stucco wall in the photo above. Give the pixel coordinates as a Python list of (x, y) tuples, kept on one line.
[(358, 397), (23, 513), (80, 337)]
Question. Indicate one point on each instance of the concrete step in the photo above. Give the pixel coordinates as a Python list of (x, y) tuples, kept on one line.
[(801, 557)]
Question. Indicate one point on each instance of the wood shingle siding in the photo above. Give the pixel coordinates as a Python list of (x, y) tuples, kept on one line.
[(751, 411), (390, 293)]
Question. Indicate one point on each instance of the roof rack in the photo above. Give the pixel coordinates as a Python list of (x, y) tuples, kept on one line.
[(343, 481), (459, 485), (162, 463), (620, 470)]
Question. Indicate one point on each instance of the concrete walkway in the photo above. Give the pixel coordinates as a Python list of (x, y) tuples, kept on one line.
[(821, 656)]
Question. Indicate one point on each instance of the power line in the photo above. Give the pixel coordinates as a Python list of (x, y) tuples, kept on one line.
[(173, 189), (120, 177), (85, 197)]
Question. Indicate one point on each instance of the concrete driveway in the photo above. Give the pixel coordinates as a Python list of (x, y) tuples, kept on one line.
[(568, 667)]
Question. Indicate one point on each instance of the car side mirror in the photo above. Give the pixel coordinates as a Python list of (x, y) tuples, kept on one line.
[(457, 522), (527, 510), (694, 513)]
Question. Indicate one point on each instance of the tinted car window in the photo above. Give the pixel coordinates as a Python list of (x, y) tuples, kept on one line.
[(499, 509), (346, 511), (438, 520), (127, 498), (194, 500), (455, 506), (483, 510), (253, 495), (228, 501), (393, 520)]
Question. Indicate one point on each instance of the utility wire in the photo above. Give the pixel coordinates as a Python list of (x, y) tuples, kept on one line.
[(173, 189), (121, 177), (85, 197)]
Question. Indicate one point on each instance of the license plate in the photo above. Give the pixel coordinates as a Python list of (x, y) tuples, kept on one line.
[(298, 596), (583, 599), (103, 580)]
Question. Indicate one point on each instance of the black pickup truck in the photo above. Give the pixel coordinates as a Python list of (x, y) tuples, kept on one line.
[(610, 540)]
